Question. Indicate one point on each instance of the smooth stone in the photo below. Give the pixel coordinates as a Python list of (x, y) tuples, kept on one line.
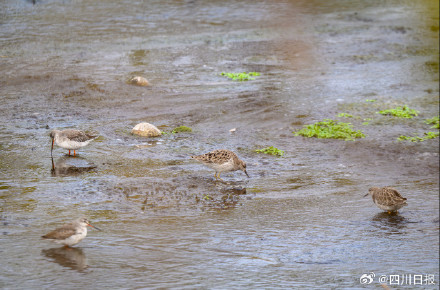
[(146, 130), (139, 81)]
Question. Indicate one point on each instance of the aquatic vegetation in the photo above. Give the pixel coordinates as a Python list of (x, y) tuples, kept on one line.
[(271, 150), (241, 76), (345, 115), (434, 121), (181, 129), (330, 129), (401, 112), (370, 100), (428, 135)]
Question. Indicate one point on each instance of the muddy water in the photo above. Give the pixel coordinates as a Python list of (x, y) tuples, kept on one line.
[(299, 221)]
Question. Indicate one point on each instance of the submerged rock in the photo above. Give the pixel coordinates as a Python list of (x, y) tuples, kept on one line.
[(139, 81), (146, 130)]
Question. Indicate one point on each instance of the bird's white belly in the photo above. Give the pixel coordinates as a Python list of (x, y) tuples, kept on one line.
[(73, 239), (389, 208), (224, 167), (72, 145)]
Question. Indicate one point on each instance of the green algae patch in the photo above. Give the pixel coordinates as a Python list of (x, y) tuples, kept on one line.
[(181, 129), (345, 115), (427, 135), (271, 151), (434, 121), (241, 77), (401, 112), (330, 129)]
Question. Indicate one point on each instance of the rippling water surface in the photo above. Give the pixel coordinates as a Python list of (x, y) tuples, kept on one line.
[(299, 221)]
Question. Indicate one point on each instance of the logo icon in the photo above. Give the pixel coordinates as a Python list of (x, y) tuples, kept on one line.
[(367, 278)]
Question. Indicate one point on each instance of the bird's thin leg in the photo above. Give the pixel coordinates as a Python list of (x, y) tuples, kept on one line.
[(74, 153), (69, 152)]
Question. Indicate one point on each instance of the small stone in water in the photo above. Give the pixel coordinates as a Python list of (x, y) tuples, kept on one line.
[(146, 130), (139, 81)]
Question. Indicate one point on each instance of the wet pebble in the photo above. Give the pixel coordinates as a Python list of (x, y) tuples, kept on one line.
[(139, 81)]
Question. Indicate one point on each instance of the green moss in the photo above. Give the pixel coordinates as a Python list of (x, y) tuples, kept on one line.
[(400, 112), (330, 129), (345, 115), (434, 121), (271, 150), (370, 100), (181, 129), (241, 76), (428, 135)]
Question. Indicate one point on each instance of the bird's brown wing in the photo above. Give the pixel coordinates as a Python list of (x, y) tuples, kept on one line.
[(61, 233), (394, 193), (219, 156), (78, 136)]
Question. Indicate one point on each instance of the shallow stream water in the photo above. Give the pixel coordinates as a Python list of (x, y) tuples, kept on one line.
[(301, 219)]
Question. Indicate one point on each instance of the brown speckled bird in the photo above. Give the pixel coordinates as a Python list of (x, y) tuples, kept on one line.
[(222, 160), (387, 198)]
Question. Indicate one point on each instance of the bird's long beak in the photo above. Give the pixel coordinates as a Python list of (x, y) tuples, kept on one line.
[(96, 228), (247, 174), (366, 195), (52, 147)]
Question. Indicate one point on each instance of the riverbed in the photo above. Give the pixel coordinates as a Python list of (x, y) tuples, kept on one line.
[(300, 220)]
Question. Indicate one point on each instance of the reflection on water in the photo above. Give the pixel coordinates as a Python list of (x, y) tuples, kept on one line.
[(391, 223), (73, 258), (176, 195), (229, 198), (70, 166), (172, 224)]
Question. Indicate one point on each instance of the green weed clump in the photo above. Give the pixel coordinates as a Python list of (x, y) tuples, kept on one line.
[(428, 135), (271, 150), (345, 115), (240, 77), (434, 121), (330, 129), (401, 112), (181, 129)]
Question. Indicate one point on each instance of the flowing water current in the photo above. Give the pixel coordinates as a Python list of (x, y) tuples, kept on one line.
[(299, 221)]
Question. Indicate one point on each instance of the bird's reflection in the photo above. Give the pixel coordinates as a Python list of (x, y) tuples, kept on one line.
[(67, 166), (72, 258), (230, 197), (234, 190), (392, 223)]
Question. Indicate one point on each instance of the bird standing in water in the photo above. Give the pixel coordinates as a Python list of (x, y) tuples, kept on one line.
[(222, 160), (70, 234), (70, 139), (387, 198)]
